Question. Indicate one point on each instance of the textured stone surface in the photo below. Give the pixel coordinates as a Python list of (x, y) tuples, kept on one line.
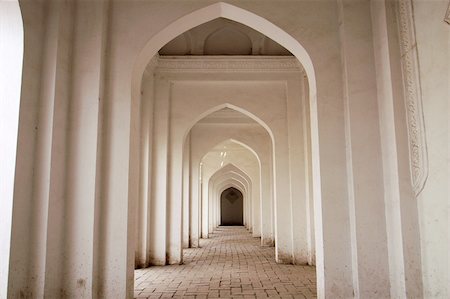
[(231, 264)]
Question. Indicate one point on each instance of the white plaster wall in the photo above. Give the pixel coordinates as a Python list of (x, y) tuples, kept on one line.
[(314, 24), (11, 57), (433, 36), (22, 218), (129, 36)]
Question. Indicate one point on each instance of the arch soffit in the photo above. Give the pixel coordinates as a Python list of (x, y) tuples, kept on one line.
[(243, 144), (231, 183), (209, 13), (227, 177), (234, 177), (247, 113), (218, 188), (230, 167), (224, 177), (221, 172), (230, 175)]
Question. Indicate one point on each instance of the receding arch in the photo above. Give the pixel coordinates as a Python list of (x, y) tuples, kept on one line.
[(228, 177), (230, 106), (234, 13), (215, 187), (243, 186), (230, 183), (11, 64), (229, 167), (230, 173), (241, 143), (231, 12)]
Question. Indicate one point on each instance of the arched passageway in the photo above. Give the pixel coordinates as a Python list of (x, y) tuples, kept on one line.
[(231, 207), (105, 177), (203, 108), (206, 116)]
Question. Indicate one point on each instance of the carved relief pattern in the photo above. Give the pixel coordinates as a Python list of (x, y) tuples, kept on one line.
[(175, 64), (413, 96), (447, 14)]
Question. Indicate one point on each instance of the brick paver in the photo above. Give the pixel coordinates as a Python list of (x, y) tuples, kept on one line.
[(231, 264)]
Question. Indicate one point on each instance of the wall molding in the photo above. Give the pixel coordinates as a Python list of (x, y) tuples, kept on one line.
[(447, 14), (413, 96), (227, 64)]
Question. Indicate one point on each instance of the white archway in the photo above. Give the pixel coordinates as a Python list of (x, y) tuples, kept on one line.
[(246, 193), (241, 143), (256, 206), (224, 10), (226, 174), (233, 107)]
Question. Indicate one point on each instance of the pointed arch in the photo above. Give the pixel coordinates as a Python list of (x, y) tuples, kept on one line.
[(231, 12), (234, 13), (230, 106), (243, 144)]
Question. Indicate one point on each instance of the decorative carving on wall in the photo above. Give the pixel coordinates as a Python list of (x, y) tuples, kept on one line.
[(228, 64), (447, 14), (413, 96)]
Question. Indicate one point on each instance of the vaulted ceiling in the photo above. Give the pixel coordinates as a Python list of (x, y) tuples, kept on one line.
[(223, 37)]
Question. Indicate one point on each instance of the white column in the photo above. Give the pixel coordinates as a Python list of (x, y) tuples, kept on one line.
[(211, 205), (43, 158), (297, 165), (175, 199), (308, 174), (35, 65), (186, 191), (195, 202), (83, 140), (267, 237), (158, 233), (402, 225), (146, 140), (365, 172), (11, 61), (283, 219), (59, 209), (204, 207), (256, 202)]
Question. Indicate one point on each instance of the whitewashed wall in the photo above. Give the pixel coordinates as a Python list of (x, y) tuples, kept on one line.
[(77, 174)]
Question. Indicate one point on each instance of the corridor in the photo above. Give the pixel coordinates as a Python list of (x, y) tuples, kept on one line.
[(230, 264)]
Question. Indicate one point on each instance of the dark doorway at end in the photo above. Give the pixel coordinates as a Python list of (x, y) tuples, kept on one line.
[(231, 207)]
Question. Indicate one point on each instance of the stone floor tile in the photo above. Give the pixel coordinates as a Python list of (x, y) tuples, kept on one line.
[(230, 264)]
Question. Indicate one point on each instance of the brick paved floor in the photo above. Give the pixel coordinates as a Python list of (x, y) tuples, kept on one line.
[(230, 264)]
